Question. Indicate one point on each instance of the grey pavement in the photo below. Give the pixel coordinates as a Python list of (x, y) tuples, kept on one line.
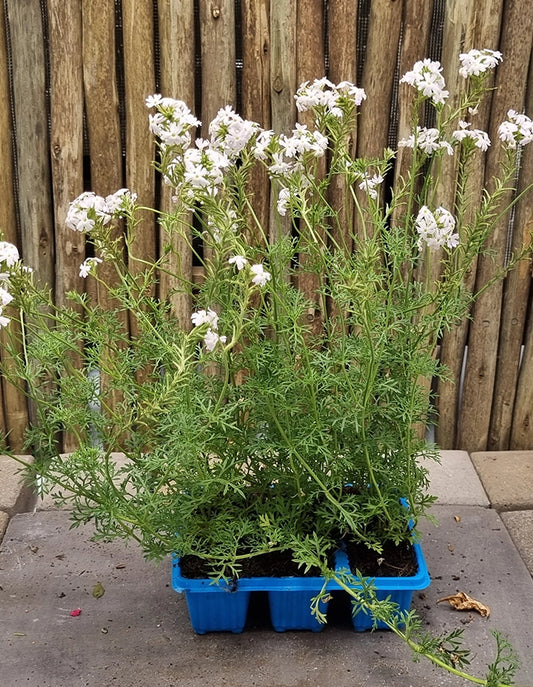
[(137, 633)]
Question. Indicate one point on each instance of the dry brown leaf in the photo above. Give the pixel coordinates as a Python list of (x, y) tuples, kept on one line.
[(462, 602)]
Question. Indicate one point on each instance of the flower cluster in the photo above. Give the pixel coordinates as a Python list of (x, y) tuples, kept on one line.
[(172, 122), (436, 230), (427, 140), (478, 137), (230, 132), (426, 77), (88, 209), (209, 317), (517, 130), (476, 62), (9, 256), (88, 265), (369, 184), (324, 95)]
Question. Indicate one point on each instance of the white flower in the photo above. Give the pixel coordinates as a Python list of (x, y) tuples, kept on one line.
[(436, 230), (8, 253), (239, 261), (480, 138), (211, 339), (4, 321), (153, 100), (85, 210), (87, 265), (261, 275), (426, 77), (369, 184), (476, 62), (230, 132), (5, 297), (205, 317), (283, 199), (427, 140), (261, 144), (357, 94), (517, 131), (118, 200)]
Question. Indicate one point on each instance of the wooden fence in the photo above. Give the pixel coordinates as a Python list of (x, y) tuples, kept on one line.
[(74, 75)]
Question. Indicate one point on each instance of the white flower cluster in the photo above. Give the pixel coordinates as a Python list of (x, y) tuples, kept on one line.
[(288, 159), (370, 184), (480, 138), (427, 140), (436, 230), (172, 122), (230, 132), (88, 209), (333, 98), (476, 62), (9, 256), (426, 77), (261, 276), (203, 168), (517, 130), (87, 265), (209, 317)]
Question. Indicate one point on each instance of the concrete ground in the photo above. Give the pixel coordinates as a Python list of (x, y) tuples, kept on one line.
[(137, 633)]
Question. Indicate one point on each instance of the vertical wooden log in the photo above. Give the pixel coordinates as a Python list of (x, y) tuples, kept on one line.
[(176, 44), (32, 142), (342, 51), (465, 28), (139, 79), (101, 102), (516, 289), (522, 429), (217, 35), (484, 330), (283, 83), (217, 39), (378, 76), (13, 408), (256, 97), (310, 65), (66, 110), (66, 146)]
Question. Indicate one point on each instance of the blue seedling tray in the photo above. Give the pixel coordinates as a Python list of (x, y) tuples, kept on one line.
[(223, 605)]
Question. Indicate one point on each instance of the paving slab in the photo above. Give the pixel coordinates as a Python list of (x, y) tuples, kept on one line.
[(507, 477), (454, 480), (15, 495), (138, 632), (520, 526)]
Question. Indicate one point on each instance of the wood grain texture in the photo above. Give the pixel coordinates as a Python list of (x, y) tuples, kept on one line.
[(32, 141), (13, 407), (176, 44), (509, 428), (465, 28), (479, 382)]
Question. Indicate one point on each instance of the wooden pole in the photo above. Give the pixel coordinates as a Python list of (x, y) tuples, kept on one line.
[(13, 407), (66, 147), (32, 141), (176, 43), (484, 330), (139, 80), (516, 292)]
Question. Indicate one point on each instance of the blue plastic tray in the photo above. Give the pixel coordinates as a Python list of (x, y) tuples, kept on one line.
[(223, 606)]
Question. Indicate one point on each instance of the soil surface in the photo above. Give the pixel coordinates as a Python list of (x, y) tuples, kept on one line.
[(393, 561)]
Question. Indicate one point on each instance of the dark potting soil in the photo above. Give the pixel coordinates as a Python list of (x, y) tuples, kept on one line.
[(393, 561), (273, 564)]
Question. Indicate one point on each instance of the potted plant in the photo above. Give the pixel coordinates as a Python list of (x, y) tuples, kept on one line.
[(278, 422)]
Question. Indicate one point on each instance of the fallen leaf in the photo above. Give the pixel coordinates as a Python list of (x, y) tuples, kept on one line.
[(457, 518), (76, 612), (19, 634), (98, 590), (451, 548), (462, 602)]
